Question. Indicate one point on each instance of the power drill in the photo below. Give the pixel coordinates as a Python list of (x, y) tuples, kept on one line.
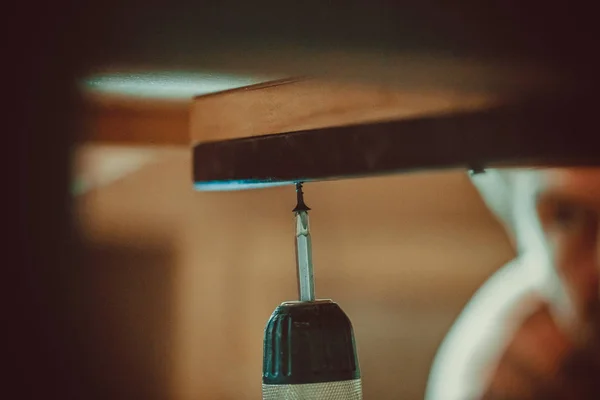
[(309, 349)]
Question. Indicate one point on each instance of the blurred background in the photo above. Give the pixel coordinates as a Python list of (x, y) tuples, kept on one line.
[(161, 292), (181, 283)]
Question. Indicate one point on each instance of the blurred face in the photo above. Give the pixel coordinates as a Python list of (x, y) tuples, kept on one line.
[(568, 206)]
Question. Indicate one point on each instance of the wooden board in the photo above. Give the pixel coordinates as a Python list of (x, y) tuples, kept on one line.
[(298, 104)]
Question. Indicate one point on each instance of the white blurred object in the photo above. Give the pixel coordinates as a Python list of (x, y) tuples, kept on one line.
[(489, 319), (98, 165)]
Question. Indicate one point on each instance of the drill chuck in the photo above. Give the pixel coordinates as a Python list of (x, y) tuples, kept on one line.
[(310, 353)]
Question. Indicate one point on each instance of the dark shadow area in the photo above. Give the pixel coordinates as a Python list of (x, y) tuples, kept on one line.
[(129, 296)]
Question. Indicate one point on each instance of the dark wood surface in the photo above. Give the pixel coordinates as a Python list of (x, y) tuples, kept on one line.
[(551, 131)]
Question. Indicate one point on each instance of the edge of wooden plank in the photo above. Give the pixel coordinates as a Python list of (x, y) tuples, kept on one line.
[(304, 103)]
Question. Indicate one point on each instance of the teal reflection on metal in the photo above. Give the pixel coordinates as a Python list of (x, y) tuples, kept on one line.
[(214, 186)]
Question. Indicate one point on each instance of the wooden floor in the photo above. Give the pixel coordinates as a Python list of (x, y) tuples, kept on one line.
[(182, 282)]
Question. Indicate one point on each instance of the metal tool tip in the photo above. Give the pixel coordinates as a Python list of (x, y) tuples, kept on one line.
[(300, 205)]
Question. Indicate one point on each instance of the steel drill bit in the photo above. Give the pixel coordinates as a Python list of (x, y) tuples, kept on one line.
[(304, 266)]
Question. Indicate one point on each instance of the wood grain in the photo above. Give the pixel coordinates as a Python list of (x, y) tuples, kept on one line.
[(297, 104)]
